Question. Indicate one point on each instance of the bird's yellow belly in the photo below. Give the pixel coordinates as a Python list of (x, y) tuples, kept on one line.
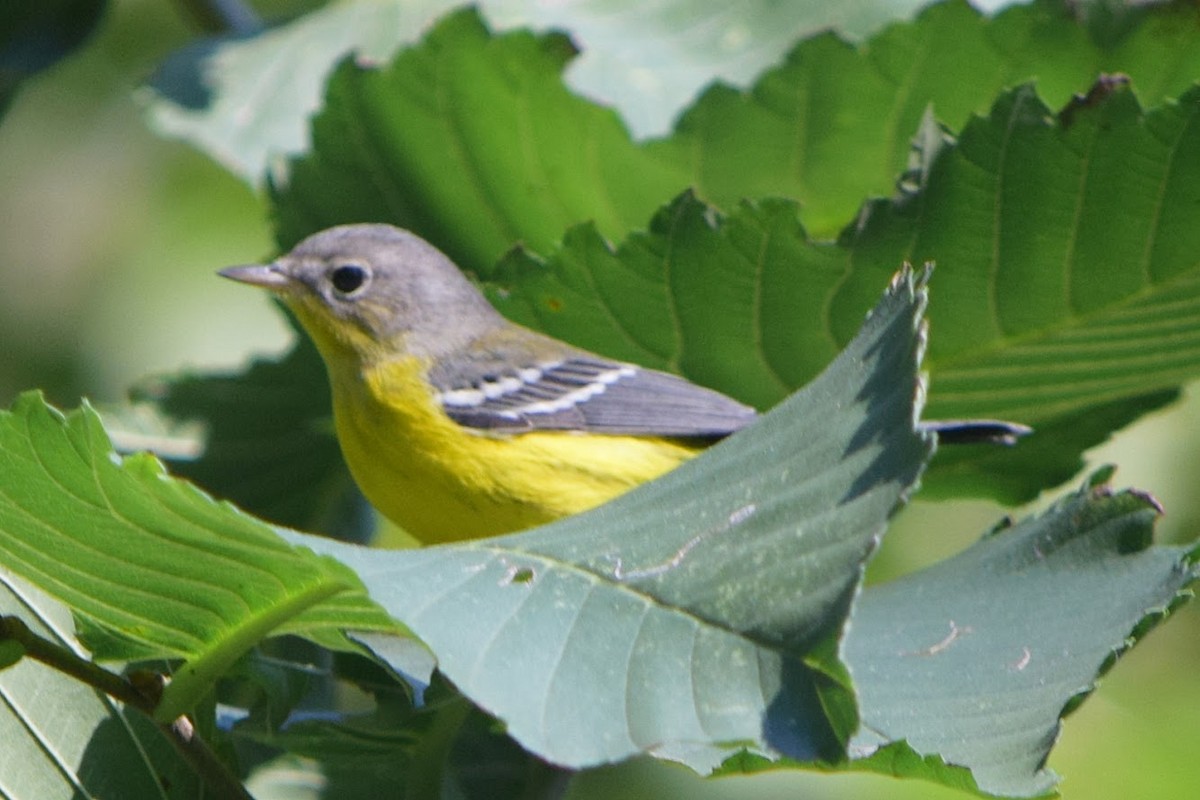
[(442, 482)]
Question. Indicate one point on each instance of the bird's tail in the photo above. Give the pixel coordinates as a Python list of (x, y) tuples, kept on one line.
[(976, 431)]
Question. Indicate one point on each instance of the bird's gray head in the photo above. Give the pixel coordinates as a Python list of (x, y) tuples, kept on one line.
[(374, 290)]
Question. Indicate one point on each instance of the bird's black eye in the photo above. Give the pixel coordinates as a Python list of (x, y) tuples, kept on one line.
[(348, 278)]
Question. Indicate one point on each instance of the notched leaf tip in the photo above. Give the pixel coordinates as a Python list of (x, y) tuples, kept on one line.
[(1102, 475), (1099, 484)]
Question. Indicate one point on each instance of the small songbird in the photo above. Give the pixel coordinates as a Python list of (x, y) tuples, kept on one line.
[(459, 424)]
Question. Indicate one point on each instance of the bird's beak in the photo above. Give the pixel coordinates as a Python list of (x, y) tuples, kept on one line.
[(268, 276)]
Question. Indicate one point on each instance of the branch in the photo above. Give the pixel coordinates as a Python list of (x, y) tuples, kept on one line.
[(142, 692)]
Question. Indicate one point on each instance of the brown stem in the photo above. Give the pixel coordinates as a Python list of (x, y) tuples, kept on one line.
[(204, 761), (141, 693), (63, 660)]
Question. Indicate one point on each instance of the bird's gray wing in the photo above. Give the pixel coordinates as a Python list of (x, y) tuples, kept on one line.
[(588, 393)]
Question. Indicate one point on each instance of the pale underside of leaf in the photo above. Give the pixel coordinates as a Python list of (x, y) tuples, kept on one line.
[(685, 619), (976, 659)]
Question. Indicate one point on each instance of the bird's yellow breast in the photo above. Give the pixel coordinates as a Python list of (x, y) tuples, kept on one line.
[(441, 481)]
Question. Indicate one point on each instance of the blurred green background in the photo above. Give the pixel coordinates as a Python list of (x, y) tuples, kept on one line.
[(109, 238)]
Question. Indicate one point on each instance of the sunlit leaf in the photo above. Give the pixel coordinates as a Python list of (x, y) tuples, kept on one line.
[(1066, 283), (246, 100), (468, 125), (156, 567)]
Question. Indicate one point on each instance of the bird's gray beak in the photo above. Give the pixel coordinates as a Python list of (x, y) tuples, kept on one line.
[(268, 276)]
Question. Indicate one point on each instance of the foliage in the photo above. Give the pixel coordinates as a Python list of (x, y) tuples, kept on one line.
[(33, 36), (715, 617)]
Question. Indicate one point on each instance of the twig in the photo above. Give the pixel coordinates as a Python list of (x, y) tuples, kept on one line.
[(204, 761), (63, 660), (142, 693)]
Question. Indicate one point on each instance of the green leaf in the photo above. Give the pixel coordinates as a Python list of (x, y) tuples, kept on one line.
[(975, 659), (833, 123), (470, 126), (1060, 257), (247, 100), (1019, 213), (63, 739), (748, 304), (696, 615), (734, 302), (1067, 282), (1078, 287), (160, 567), (1067, 260)]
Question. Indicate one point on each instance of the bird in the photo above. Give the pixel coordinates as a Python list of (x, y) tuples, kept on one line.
[(457, 423)]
